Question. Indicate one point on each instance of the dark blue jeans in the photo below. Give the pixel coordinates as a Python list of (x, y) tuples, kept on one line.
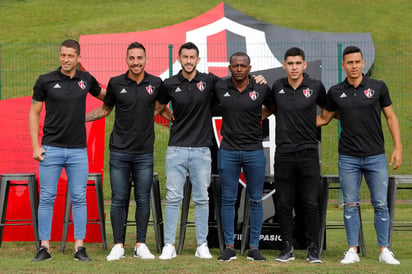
[(140, 166), (298, 173), (229, 164)]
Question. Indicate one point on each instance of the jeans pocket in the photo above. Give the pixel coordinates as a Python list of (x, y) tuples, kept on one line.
[(205, 150), (46, 148), (172, 151)]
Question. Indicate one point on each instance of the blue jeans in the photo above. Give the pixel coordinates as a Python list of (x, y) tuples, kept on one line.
[(374, 168), (75, 161), (196, 163), (229, 164), (140, 166)]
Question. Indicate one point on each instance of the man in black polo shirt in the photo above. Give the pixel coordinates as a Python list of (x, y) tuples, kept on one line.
[(134, 94), (188, 153), (360, 102), (63, 92), (297, 170), (241, 101)]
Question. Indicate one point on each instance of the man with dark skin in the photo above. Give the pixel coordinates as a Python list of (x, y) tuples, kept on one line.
[(241, 101)]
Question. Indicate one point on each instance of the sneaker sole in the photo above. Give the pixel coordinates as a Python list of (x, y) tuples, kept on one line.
[(77, 260), (253, 259), (48, 259), (200, 257), (111, 260), (230, 259), (314, 261), (351, 262), (169, 258), (285, 261), (391, 263), (203, 257), (139, 257)]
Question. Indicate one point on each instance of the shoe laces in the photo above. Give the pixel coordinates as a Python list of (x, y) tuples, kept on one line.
[(386, 250), (350, 251), (168, 248)]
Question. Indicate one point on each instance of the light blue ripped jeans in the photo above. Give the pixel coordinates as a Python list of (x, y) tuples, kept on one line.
[(374, 168)]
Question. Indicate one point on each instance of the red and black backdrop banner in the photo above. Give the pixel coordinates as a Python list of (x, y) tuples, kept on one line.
[(218, 33)]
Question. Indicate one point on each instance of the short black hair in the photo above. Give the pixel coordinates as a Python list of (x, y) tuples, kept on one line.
[(294, 52), (239, 53), (70, 43), (136, 45), (351, 49), (188, 45)]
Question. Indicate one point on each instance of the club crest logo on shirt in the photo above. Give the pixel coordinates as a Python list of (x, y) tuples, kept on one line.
[(150, 89), (82, 84), (307, 92), (201, 85), (253, 95), (369, 92)]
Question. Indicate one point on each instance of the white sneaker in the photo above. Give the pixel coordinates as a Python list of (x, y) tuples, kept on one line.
[(387, 257), (202, 252), (351, 257), (116, 253), (168, 252), (143, 252)]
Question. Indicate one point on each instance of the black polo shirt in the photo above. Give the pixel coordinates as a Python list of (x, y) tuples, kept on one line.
[(242, 114), (65, 100), (296, 114), (133, 130), (191, 102), (360, 111)]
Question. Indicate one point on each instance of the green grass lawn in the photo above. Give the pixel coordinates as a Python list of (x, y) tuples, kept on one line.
[(16, 257)]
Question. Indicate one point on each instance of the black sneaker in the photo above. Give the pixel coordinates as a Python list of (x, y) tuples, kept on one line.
[(313, 255), (81, 255), (42, 254), (228, 254), (254, 255), (286, 254)]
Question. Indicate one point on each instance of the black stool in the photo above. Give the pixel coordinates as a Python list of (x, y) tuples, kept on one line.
[(333, 179), (395, 183), (269, 191), (96, 179), (184, 223), (7, 181), (323, 208), (157, 217)]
